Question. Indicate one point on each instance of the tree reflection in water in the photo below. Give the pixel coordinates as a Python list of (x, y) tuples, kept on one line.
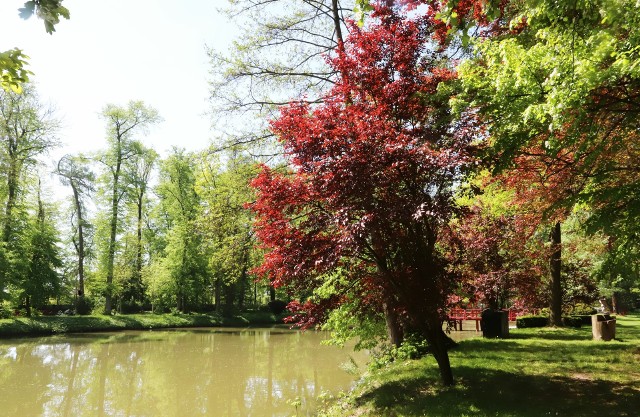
[(205, 372)]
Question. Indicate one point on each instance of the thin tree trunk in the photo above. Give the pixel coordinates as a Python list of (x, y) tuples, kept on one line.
[(138, 273), (80, 249), (336, 23), (12, 186), (108, 306), (555, 265), (217, 295), (27, 305)]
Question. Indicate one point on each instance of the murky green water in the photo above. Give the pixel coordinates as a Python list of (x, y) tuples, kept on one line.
[(225, 372)]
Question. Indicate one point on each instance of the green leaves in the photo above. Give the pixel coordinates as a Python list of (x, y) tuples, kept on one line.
[(49, 11), (12, 62), (12, 70), (361, 9)]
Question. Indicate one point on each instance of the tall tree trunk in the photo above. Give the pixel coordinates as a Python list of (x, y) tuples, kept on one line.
[(138, 274), (80, 248), (242, 287), (181, 299), (12, 191), (111, 254), (336, 23), (217, 294), (555, 266), (27, 305)]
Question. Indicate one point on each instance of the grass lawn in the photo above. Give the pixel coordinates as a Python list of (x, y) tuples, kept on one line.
[(534, 373), (47, 325)]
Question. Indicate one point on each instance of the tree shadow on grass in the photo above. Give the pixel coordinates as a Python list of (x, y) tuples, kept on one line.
[(564, 335), (489, 392)]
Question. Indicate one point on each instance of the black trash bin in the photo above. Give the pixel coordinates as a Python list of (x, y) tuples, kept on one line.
[(495, 323)]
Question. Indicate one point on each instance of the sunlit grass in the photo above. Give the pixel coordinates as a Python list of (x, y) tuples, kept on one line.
[(38, 326), (536, 372)]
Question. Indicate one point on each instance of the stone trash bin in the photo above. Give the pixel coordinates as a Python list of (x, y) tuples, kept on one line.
[(603, 327)]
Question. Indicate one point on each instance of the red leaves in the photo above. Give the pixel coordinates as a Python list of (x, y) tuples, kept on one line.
[(495, 259), (372, 172)]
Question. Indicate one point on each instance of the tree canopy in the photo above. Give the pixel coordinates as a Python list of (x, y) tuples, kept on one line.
[(373, 173)]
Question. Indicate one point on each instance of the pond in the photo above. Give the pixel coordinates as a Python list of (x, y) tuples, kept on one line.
[(197, 372)]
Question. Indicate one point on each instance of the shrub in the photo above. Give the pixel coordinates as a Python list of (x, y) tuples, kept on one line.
[(581, 309), (531, 321), (6, 312), (277, 306), (130, 307), (585, 319), (55, 309), (572, 321), (84, 305)]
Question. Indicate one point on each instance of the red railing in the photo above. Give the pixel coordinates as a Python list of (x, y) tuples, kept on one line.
[(457, 315)]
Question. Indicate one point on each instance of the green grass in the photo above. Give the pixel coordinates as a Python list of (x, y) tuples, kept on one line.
[(534, 373), (38, 326)]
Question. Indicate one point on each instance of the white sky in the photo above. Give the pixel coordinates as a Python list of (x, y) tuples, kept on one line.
[(119, 50)]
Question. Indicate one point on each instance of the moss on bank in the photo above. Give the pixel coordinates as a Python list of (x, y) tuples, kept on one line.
[(536, 372), (48, 325)]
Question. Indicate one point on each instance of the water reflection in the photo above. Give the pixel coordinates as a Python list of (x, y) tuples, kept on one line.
[(229, 372)]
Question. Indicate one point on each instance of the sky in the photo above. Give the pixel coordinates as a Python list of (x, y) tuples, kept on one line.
[(111, 52)]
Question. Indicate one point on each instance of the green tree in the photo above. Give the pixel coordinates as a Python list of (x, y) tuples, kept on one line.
[(226, 225), (554, 84), (27, 131), (279, 55), (43, 277), (138, 176), (75, 172), (182, 257), (123, 123)]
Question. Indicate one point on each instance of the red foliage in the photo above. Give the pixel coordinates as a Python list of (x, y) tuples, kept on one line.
[(372, 170), (497, 264)]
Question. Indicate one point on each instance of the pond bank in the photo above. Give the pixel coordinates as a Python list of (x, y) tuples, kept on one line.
[(50, 325)]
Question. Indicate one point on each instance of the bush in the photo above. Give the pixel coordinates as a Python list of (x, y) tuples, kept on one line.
[(55, 309), (413, 347), (531, 321), (581, 309), (6, 312), (277, 306), (84, 306), (585, 319), (572, 321), (130, 307)]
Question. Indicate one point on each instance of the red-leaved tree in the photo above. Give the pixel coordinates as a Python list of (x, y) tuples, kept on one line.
[(370, 185), (497, 264)]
